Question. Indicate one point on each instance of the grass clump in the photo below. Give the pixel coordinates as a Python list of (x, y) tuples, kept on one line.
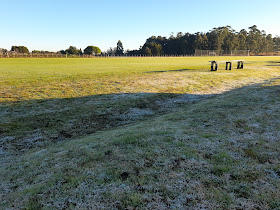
[(255, 155)]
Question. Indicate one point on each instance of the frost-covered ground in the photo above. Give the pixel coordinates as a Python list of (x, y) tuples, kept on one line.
[(217, 151)]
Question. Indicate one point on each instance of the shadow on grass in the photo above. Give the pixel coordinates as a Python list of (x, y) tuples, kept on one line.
[(36, 123), (178, 70), (273, 63)]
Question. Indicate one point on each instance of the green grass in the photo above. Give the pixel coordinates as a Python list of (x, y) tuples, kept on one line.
[(172, 139), (43, 78), (49, 100)]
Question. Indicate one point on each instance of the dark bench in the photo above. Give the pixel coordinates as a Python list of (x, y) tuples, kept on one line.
[(215, 64)]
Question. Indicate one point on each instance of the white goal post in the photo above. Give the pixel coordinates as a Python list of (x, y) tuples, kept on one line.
[(198, 52), (240, 53)]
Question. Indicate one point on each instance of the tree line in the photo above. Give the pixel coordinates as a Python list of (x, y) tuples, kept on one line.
[(221, 39), (89, 50)]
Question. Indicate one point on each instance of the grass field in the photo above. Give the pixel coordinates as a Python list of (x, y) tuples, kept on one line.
[(131, 133), (28, 79)]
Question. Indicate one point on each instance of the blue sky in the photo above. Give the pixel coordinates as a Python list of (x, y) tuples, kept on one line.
[(57, 24)]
